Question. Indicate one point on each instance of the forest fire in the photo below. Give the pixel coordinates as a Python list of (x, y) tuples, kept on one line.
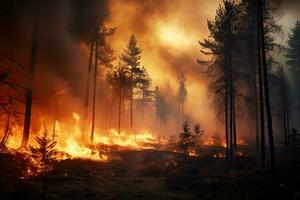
[(72, 144), (152, 99)]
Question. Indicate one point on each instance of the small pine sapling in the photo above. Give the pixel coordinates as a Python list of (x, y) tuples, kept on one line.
[(44, 155), (186, 139)]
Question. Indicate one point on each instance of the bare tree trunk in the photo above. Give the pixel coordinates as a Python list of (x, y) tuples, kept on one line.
[(234, 123), (95, 91), (143, 105), (261, 97), (230, 79), (131, 98), (226, 121), (256, 114), (227, 108), (120, 106), (87, 90), (266, 90), (29, 88), (284, 108), (230, 123)]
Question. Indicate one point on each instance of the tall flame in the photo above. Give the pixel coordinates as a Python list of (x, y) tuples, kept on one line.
[(71, 145)]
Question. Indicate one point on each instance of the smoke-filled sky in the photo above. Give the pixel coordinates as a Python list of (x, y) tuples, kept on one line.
[(167, 31)]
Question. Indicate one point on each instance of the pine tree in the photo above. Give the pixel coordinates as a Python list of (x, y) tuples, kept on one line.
[(293, 51), (131, 58), (181, 95), (284, 104), (224, 38), (198, 132), (104, 57), (119, 81), (186, 139), (263, 48), (44, 155), (293, 60), (144, 89)]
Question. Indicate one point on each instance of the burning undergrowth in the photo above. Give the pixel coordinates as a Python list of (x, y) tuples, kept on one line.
[(71, 142)]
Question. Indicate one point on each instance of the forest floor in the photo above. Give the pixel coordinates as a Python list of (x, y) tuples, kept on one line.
[(152, 175)]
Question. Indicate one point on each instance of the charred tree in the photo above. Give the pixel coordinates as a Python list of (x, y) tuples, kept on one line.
[(232, 131), (95, 90), (266, 86), (87, 90), (29, 88), (261, 97)]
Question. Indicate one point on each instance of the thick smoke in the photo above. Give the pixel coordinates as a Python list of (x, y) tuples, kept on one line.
[(62, 55), (167, 31)]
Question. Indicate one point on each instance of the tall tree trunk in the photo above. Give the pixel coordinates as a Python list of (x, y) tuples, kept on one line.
[(266, 90), (261, 96), (234, 124), (256, 113), (231, 117), (29, 88), (227, 108), (143, 105), (95, 90), (131, 98), (284, 109), (226, 119), (231, 95), (87, 89), (119, 109)]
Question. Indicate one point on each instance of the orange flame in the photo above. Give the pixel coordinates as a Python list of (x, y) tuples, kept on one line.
[(71, 145)]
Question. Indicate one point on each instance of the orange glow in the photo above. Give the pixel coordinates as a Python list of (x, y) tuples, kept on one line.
[(71, 145), (173, 36)]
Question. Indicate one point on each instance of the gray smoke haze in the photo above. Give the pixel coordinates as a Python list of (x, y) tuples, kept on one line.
[(63, 25), (66, 24)]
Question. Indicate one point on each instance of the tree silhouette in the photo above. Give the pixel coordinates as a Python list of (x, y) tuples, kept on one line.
[(186, 139), (181, 95), (224, 37), (104, 57), (119, 80), (293, 60), (262, 46), (131, 58), (144, 88), (198, 132), (32, 65), (44, 155)]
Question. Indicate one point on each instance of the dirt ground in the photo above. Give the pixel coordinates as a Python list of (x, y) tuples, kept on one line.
[(152, 175)]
